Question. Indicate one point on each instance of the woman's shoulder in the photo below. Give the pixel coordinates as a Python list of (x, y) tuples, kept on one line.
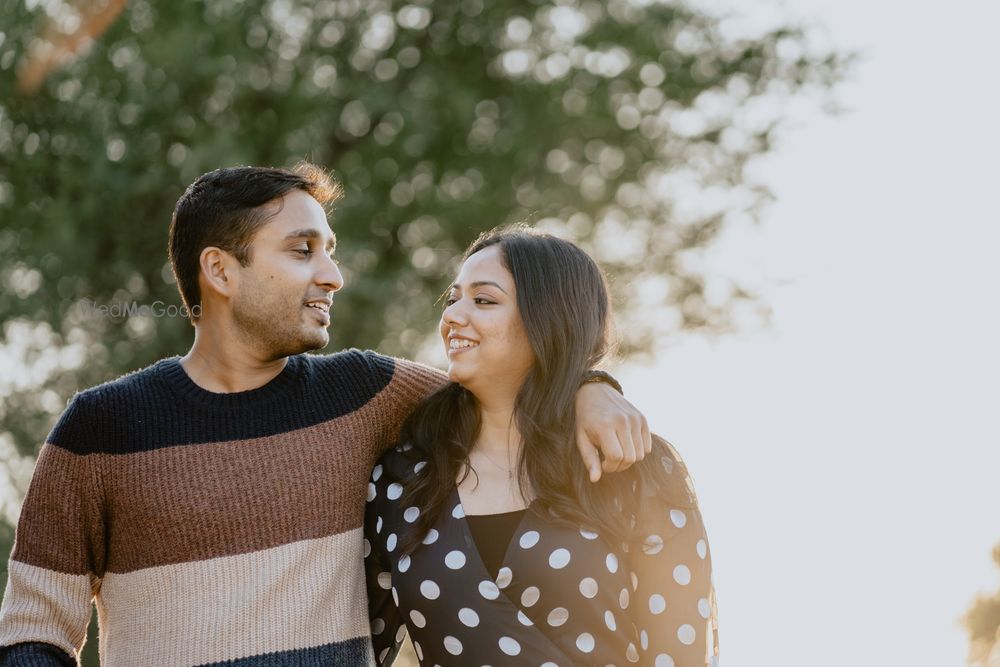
[(398, 464)]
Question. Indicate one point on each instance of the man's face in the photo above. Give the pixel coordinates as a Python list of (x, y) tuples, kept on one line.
[(282, 306)]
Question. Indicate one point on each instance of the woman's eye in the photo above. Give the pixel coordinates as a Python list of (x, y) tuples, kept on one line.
[(484, 302), (305, 252), (450, 301)]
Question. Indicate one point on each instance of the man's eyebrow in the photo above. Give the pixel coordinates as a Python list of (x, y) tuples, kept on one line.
[(480, 283), (310, 233)]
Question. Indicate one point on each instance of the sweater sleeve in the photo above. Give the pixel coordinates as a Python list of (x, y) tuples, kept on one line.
[(406, 384), (57, 560), (673, 604)]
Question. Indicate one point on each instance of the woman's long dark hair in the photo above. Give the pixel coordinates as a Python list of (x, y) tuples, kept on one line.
[(563, 299)]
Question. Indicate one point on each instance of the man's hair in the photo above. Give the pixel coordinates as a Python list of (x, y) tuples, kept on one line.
[(223, 208)]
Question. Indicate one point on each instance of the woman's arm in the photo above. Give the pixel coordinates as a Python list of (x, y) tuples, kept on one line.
[(673, 603), (386, 622)]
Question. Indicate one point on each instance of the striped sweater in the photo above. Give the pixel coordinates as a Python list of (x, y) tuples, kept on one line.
[(219, 529)]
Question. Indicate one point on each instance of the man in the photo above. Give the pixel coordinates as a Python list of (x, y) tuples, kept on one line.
[(212, 504)]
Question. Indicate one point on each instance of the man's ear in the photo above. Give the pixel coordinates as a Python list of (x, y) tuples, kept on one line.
[(219, 271)]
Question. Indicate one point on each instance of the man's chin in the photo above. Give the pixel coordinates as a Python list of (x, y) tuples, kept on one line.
[(303, 343)]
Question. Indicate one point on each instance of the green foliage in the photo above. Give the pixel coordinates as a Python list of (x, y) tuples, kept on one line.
[(626, 125)]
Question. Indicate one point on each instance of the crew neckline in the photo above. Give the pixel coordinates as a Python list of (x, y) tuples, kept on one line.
[(181, 384)]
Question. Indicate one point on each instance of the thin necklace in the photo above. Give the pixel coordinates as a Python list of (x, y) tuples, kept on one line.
[(510, 473)]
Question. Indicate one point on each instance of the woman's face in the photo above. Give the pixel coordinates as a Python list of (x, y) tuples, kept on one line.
[(484, 337)]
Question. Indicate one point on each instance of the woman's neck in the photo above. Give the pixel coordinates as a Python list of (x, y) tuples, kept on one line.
[(498, 434)]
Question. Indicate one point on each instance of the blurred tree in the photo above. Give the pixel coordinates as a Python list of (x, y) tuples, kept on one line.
[(625, 124), (983, 624)]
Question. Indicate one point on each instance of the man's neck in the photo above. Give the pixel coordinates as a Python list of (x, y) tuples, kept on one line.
[(228, 368)]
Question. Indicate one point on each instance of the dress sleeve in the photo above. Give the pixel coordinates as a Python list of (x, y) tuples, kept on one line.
[(387, 628), (58, 554), (673, 602)]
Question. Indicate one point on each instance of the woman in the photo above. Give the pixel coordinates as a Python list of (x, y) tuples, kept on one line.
[(484, 537)]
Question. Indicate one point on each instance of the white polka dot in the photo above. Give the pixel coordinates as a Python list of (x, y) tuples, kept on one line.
[(390, 542), (529, 539), (468, 617), (509, 646), (549, 664), (371, 492), (632, 653), (558, 616), (452, 645), (430, 537), (458, 512), (585, 642), (678, 518), (686, 634), (384, 580), (454, 560), (682, 575), (702, 548), (657, 604), (367, 548), (609, 620), (418, 618), (653, 545), (644, 640), (612, 563), (378, 525), (635, 580), (588, 588), (588, 534), (429, 589), (395, 596), (559, 559), (394, 491), (523, 618), (420, 466), (376, 472), (400, 633), (404, 564), (418, 650), (704, 608), (664, 660), (378, 626), (410, 514), (383, 654), (623, 599), (489, 590), (504, 577), (529, 596)]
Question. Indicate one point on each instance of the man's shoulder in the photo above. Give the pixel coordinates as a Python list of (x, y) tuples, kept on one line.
[(94, 414), (126, 387), (368, 368)]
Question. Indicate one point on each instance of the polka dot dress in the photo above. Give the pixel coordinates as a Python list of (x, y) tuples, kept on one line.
[(563, 597)]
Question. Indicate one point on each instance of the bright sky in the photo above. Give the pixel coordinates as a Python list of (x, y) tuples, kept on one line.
[(847, 459)]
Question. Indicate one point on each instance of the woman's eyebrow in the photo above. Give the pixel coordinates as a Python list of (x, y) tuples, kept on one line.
[(480, 283)]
